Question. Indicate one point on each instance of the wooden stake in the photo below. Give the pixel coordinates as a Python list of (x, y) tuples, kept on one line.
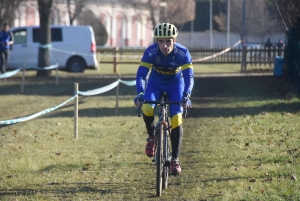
[(76, 111), (23, 76), (117, 95)]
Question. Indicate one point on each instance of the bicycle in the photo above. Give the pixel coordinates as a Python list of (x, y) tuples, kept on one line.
[(163, 154)]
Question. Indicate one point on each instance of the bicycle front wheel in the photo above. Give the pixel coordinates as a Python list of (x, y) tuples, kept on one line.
[(159, 160), (166, 159)]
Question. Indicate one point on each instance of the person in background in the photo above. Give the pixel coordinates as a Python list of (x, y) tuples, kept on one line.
[(280, 47), (6, 41), (269, 46), (171, 71)]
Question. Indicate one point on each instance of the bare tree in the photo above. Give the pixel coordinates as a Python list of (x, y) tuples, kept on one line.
[(180, 11), (45, 7), (288, 11), (173, 11), (75, 12), (87, 17), (259, 20), (7, 10)]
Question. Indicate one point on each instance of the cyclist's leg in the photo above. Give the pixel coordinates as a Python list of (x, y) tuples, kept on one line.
[(151, 93), (176, 132), (176, 121)]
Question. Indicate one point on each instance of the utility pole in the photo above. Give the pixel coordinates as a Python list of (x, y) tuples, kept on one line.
[(243, 21), (243, 65), (211, 24), (228, 23)]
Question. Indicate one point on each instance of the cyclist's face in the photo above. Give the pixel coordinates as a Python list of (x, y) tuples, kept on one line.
[(166, 45)]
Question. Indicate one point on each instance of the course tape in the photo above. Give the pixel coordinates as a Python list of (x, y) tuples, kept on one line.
[(68, 52), (50, 46), (13, 121), (45, 68), (87, 93), (45, 46), (217, 54), (11, 73), (106, 88), (128, 83)]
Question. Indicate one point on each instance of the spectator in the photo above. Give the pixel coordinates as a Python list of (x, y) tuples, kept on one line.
[(280, 47), (6, 40), (268, 46)]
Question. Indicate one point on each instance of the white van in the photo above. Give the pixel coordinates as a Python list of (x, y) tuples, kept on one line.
[(72, 47)]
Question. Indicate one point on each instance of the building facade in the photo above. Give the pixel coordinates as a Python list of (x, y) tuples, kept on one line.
[(126, 26)]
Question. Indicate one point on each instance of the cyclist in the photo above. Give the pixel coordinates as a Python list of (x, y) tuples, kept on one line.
[(172, 72)]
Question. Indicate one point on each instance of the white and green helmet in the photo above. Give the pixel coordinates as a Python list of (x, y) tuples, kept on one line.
[(165, 30)]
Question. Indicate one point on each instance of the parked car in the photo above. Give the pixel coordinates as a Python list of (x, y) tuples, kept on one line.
[(72, 47)]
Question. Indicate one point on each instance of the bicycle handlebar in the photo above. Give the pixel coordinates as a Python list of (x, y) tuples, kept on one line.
[(161, 102)]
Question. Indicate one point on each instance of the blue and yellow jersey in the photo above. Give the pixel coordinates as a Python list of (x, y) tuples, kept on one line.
[(166, 69)]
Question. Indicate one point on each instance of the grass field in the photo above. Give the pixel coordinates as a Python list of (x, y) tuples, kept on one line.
[(241, 142)]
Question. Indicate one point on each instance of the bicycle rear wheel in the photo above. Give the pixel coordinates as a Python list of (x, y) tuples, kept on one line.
[(167, 160), (159, 160)]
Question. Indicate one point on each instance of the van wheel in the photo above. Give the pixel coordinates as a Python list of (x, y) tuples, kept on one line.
[(76, 64)]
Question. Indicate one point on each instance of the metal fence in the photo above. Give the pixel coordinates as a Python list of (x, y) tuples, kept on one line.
[(254, 56)]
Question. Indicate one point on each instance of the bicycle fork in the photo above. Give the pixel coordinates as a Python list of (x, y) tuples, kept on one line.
[(167, 153)]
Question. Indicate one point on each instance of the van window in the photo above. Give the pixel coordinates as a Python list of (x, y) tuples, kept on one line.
[(20, 36), (56, 35)]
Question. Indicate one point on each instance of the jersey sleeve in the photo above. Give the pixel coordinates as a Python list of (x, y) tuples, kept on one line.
[(188, 73), (142, 72)]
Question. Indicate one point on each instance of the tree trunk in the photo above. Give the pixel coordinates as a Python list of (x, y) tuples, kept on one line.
[(45, 36), (70, 13)]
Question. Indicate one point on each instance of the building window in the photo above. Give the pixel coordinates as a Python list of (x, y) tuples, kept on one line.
[(30, 17)]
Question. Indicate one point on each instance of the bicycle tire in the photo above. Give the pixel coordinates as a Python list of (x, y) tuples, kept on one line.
[(159, 160), (167, 154)]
